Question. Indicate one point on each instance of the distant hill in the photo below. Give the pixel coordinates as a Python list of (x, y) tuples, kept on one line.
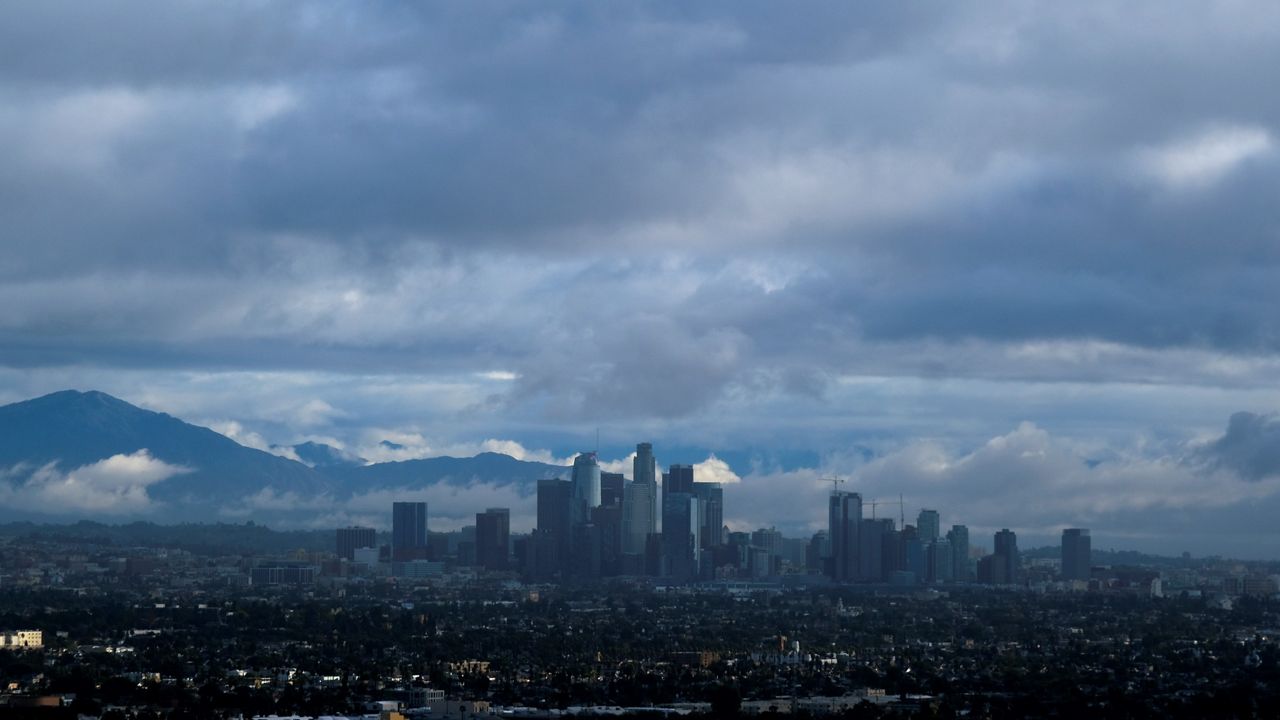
[(205, 539), (492, 468), (49, 447), (321, 456), (73, 429)]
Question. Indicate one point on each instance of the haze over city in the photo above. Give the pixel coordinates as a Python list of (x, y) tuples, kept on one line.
[(1016, 265)]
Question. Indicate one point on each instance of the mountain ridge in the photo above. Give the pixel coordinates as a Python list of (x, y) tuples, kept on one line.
[(69, 443)]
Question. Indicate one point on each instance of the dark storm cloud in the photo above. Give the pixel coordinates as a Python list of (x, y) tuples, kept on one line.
[(1250, 447), (642, 211)]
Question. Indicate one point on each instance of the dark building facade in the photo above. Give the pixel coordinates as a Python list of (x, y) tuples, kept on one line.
[(710, 513), (844, 518), (678, 479), (680, 530), (875, 533), (408, 531), (350, 538), (1077, 550), (611, 485), (493, 538), (1006, 563)]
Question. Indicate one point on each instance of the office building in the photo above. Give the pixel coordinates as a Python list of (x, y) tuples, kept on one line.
[(680, 536), (1076, 554), (711, 513), (875, 533), (493, 538), (409, 531), (611, 485), (958, 536), (940, 561), (928, 526), (678, 479), (586, 486), (551, 539), (639, 515), (644, 468), (1006, 563), (349, 539), (844, 521), (607, 520)]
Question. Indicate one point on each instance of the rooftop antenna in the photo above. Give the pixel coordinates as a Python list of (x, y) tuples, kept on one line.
[(902, 512)]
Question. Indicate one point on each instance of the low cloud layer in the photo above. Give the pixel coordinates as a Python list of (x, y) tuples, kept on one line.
[(114, 486)]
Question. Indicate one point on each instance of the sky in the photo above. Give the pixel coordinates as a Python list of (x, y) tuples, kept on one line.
[(1014, 261)]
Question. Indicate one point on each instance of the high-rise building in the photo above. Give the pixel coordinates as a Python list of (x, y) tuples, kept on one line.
[(493, 538), (553, 534), (958, 536), (607, 519), (711, 513), (1006, 563), (639, 515), (940, 562), (349, 539), (844, 518), (680, 531), (875, 532), (928, 526), (611, 489), (586, 486), (678, 479), (408, 531), (1076, 554), (643, 467)]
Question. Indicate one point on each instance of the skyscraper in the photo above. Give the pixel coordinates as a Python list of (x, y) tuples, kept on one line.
[(1006, 562), (711, 513), (586, 486), (940, 562), (611, 489), (351, 538), (875, 532), (552, 536), (678, 479), (844, 517), (1076, 554), (959, 539), (680, 535), (408, 530), (643, 467), (639, 515), (928, 526), (493, 538)]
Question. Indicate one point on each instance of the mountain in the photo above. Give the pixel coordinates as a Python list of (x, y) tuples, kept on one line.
[(87, 455), (68, 430), (490, 468), (322, 456)]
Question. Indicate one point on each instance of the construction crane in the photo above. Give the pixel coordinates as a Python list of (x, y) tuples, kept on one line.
[(874, 503), (835, 483)]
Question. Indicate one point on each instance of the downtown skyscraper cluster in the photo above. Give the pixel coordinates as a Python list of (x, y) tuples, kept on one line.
[(597, 525)]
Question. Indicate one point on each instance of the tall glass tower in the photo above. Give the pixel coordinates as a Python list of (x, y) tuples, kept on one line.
[(586, 486)]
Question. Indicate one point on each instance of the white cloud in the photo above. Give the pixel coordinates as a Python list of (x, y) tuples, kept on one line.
[(248, 438), (1205, 158), (113, 486), (254, 106), (715, 470), (1025, 479)]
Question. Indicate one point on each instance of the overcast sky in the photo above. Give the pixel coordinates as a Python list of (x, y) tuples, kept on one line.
[(1015, 261)]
